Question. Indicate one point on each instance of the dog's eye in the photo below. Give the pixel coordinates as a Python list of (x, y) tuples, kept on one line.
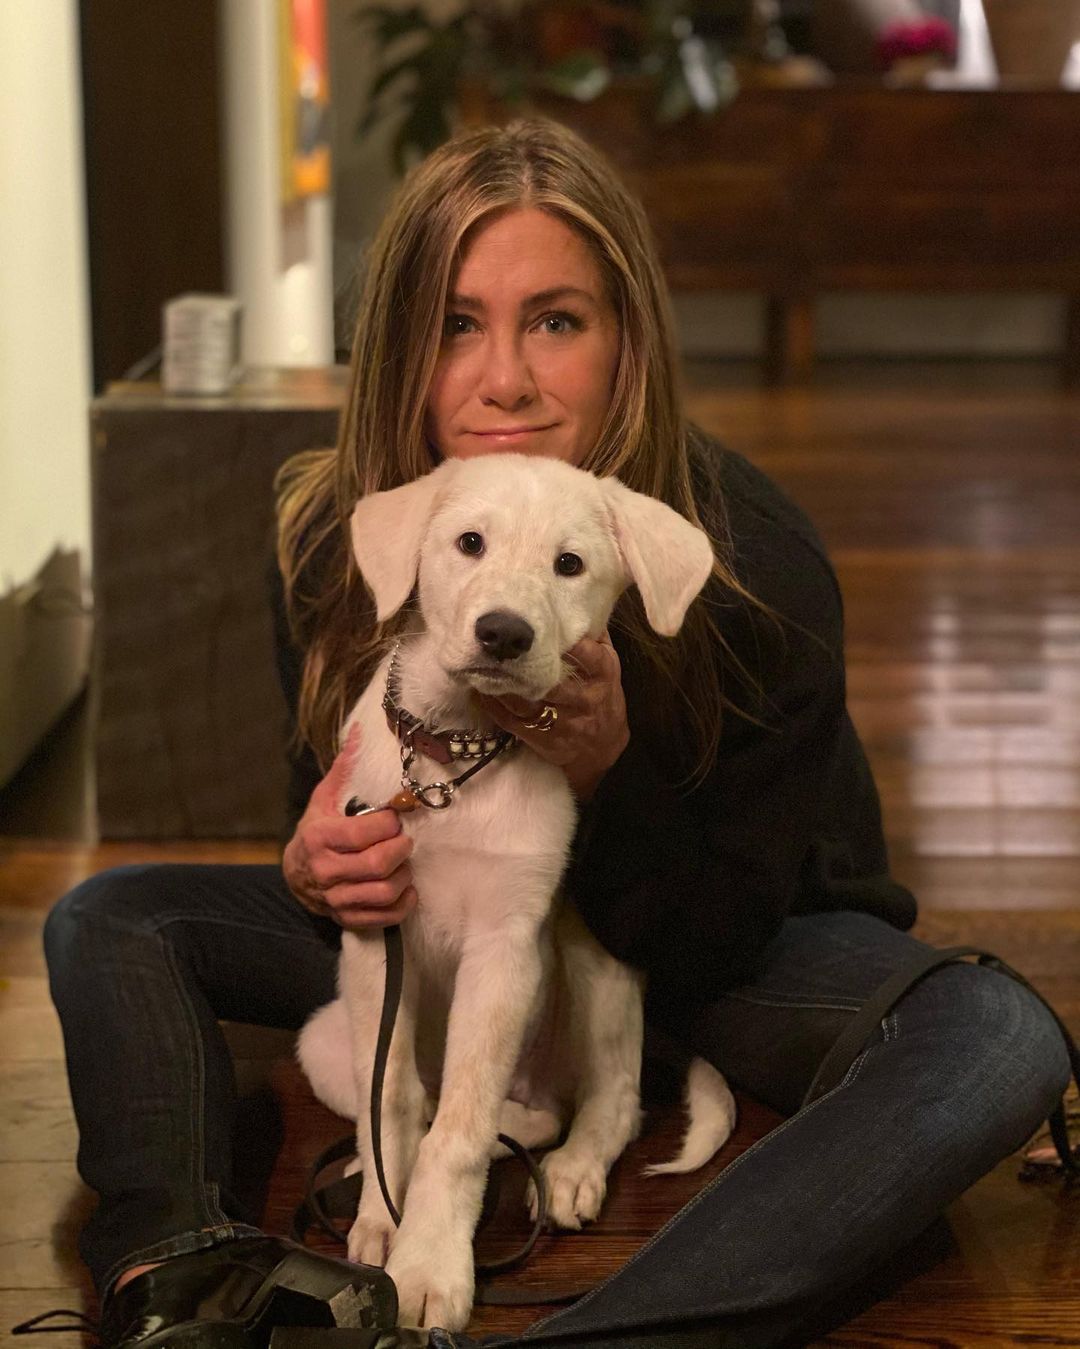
[(471, 543), (569, 564)]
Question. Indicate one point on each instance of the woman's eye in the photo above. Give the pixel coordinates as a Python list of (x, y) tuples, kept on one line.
[(454, 325), (471, 543), (561, 323), (569, 564)]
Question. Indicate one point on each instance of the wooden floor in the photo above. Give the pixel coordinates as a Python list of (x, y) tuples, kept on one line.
[(949, 496)]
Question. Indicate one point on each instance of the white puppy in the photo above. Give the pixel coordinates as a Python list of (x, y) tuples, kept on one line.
[(512, 1016)]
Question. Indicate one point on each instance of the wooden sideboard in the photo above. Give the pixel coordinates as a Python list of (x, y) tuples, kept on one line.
[(189, 721), (795, 192)]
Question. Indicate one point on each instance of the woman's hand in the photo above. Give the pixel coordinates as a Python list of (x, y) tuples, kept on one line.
[(590, 732), (353, 869)]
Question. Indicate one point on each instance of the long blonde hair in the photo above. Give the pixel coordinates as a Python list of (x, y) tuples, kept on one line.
[(381, 441)]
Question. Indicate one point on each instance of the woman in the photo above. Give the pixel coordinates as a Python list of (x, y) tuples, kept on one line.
[(730, 841)]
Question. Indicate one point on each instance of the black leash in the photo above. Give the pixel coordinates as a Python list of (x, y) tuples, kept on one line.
[(395, 971), (79, 1324)]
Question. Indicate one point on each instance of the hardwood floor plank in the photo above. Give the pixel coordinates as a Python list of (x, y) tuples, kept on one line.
[(1004, 883), (34, 873), (36, 1122), (29, 1029), (42, 1207)]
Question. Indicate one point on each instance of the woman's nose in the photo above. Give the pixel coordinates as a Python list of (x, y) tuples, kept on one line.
[(506, 379)]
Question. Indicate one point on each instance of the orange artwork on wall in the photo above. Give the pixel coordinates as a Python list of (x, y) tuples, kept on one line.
[(305, 99)]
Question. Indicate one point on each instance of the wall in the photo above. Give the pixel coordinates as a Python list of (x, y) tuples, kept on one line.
[(44, 333), (363, 181), (153, 173)]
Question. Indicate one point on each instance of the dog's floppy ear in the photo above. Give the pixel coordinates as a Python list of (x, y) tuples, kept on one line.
[(667, 557), (387, 530)]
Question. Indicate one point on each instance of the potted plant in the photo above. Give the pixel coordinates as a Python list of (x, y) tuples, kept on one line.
[(506, 56)]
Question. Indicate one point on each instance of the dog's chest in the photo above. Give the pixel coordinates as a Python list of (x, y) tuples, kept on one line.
[(496, 853)]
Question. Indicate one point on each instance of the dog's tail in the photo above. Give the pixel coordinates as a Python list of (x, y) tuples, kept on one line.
[(711, 1108), (323, 1049)]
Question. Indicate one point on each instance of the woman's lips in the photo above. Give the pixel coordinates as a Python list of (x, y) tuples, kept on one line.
[(507, 435)]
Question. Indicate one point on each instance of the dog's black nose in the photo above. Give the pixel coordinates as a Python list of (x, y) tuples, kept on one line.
[(503, 635)]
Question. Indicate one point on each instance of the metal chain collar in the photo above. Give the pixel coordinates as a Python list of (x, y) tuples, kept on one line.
[(445, 790)]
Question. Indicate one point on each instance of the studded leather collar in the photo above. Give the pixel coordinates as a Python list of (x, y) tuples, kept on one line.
[(442, 746)]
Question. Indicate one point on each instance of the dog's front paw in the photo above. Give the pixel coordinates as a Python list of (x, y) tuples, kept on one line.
[(575, 1186), (371, 1237), (435, 1283)]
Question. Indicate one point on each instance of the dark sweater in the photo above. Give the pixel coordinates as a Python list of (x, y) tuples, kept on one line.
[(690, 886)]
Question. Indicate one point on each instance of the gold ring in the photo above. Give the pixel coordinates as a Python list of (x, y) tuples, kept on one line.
[(544, 722)]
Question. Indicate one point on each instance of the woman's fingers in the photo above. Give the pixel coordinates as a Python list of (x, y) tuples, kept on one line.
[(333, 849), (595, 672), (381, 893), (595, 659), (514, 715), (365, 915), (354, 833), (372, 862), (596, 668), (374, 902), (522, 710)]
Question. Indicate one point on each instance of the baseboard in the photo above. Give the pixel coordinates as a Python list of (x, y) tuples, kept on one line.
[(45, 634)]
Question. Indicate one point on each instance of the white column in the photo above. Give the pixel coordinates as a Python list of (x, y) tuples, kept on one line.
[(278, 258)]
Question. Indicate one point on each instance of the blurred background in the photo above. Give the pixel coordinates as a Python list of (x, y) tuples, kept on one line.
[(869, 214), (828, 180)]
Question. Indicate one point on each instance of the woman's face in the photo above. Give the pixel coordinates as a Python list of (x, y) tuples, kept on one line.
[(530, 344)]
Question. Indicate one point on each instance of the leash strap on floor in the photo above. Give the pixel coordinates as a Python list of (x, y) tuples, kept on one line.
[(339, 1199), (79, 1324), (864, 1026), (321, 1204)]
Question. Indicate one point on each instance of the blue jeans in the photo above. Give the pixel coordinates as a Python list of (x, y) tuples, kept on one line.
[(143, 960)]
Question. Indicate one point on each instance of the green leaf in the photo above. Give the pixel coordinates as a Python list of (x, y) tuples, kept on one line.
[(390, 24), (379, 104), (443, 58), (386, 77), (726, 78), (582, 75), (436, 66), (675, 100), (423, 130), (513, 87)]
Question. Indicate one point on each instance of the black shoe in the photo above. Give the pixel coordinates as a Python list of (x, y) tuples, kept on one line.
[(232, 1296)]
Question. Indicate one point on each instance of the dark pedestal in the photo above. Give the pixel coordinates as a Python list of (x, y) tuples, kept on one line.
[(190, 723)]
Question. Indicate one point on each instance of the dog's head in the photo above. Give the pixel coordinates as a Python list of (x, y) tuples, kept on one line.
[(518, 558)]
